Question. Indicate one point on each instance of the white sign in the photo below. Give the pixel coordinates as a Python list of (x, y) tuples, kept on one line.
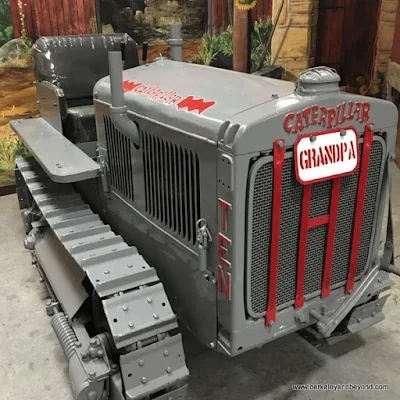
[(326, 155)]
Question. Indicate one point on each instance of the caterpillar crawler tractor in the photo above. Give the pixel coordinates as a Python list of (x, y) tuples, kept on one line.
[(246, 208)]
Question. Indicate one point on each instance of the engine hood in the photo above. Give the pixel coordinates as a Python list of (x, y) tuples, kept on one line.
[(190, 97)]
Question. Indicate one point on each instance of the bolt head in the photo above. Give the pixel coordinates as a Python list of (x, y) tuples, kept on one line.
[(343, 132), (280, 143), (48, 302), (144, 380), (319, 325), (93, 342), (141, 363), (130, 266), (106, 272), (92, 374), (131, 325), (169, 370), (373, 314), (78, 344), (313, 138), (212, 345), (166, 353), (149, 300), (359, 320), (156, 316), (125, 308)]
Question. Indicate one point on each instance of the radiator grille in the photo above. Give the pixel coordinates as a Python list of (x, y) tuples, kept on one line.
[(172, 192), (119, 150), (259, 229)]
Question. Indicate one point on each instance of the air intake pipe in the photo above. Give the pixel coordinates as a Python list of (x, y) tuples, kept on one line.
[(118, 109)]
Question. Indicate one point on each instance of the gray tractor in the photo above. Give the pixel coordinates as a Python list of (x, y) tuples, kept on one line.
[(246, 208)]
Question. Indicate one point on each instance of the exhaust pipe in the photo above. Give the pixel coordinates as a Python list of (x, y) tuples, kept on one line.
[(175, 42), (118, 109)]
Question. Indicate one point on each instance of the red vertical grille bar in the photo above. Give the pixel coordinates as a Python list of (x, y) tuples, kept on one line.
[(301, 264), (279, 158), (330, 241), (362, 183)]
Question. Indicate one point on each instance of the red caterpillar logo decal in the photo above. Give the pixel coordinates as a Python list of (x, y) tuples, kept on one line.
[(168, 98), (327, 117)]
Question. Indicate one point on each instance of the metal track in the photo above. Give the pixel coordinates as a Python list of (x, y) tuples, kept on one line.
[(141, 320)]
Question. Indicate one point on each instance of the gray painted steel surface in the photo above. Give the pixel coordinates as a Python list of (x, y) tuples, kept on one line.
[(63, 161)]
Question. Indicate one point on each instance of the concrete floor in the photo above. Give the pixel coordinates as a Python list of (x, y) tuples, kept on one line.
[(32, 365)]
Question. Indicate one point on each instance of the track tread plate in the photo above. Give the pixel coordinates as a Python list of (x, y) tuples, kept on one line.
[(92, 244)]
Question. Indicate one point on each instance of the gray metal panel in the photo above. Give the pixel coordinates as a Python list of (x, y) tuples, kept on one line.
[(62, 160), (234, 93), (152, 368), (52, 104), (63, 273), (134, 314)]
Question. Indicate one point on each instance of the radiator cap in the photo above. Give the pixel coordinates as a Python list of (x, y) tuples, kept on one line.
[(318, 80)]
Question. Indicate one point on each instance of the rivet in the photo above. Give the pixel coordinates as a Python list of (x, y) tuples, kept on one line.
[(102, 238), (149, 300), (141, 363), (92, 374), (373, 314), (130, 266), (92, 255), (93, 342), (343, 133), (131, 325), (144, 380), (166, 353), (169, 370), (313, 138), (379, 280), (81, 243), (106, 272), (156, 316), (280, 143), (78, 344), (125, 308), (114, 367), (114, 249), (71, 231), (359, 320), (212, 345)]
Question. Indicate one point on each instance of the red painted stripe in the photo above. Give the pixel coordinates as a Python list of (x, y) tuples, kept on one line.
[(279, 159), (317, 221), (330, 240), (362, 183), (301, 258)]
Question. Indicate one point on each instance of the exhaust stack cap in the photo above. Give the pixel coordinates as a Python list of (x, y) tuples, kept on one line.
[(318, 80)]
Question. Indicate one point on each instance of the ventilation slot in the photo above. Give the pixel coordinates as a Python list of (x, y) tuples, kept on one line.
[(119, 149), (171, 185)]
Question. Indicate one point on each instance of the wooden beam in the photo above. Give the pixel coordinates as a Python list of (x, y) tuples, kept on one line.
[(241, 40)]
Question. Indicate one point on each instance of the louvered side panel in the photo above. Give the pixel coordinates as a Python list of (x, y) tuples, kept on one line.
[(119, 150), (171, 177)]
